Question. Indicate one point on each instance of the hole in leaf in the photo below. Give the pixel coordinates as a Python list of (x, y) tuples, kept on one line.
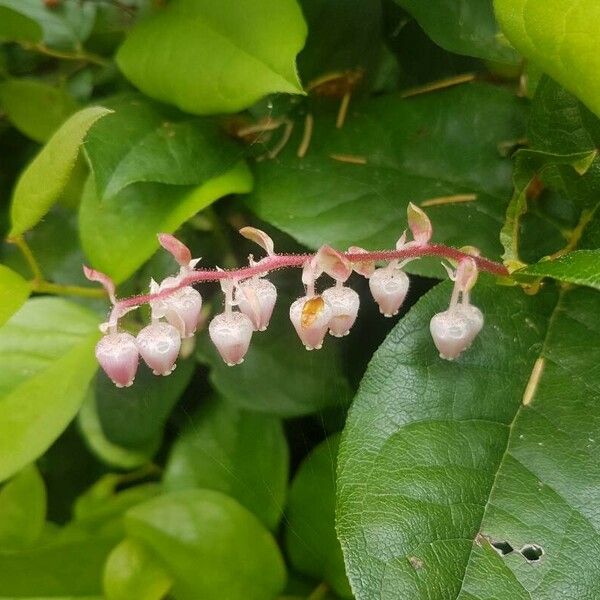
[(532, 552), (502, 548)]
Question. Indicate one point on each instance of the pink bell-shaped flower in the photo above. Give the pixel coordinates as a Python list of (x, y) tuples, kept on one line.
[(452, 332), (231, 333), (159, 345), (344, 303), (182, 309), (118, 355), (389, 287), (256, 298), (475, 317), (311, 316)]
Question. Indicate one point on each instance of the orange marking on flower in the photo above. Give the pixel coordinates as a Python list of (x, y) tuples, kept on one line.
[(311, 310)]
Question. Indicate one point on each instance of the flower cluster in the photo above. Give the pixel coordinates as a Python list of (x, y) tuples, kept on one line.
[(250, 299)]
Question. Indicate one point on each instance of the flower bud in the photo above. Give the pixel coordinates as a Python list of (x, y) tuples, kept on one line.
[(311, 317), (159, 345), (182, 309), (118, 355), (256, 299), (389, 288), (231, 334), (344, 303), (452, 332)]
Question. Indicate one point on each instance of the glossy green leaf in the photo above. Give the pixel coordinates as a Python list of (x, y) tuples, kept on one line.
[(311, 540), (142, 141), (47, 355), (581, 267), (42, 182), (119, 234), (561, 37), (14, 291), (35, 108), (439, 459), (237, 452), (213, 58), (335, 44), (63, 26), (463, 26), (134, 417), (210, 545), (278, 375), (133, 573), (106, 450), (416, 150), (22, 509)]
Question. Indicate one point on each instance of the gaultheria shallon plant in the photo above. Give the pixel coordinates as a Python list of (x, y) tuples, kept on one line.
[(250, 299)]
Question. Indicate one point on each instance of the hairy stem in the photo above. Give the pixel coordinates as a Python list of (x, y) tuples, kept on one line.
[(280, 261)]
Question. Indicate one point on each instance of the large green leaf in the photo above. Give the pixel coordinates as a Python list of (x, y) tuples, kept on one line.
[(417, 149), (210, 545), (119, 234), (134, 417), (561, 37), (581, 267), (440, 459), (22, 509), (311, 541), (14, 290), (42, 182), (278, 375), (15, 26), (143, 141), (240, 453), (35, 108), (47, 355), (208, 57), (463, 26)]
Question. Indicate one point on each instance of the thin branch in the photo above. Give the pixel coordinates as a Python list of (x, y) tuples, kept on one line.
[(57, 289), (63, 55), (281, 261), (32, 263)]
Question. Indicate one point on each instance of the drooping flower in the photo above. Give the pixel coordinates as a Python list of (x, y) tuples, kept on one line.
[(454, 330), (231, 333), (256, 298), (311, 317), (389, 286), (118, 355), (159, 344), (344, 303)]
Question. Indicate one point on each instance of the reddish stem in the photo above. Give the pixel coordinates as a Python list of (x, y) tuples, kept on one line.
[(280, 261)]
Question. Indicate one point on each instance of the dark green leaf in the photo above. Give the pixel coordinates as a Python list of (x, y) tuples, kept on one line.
[(463, 26), (581, 267), (278, 375), (142, 141), (560, 36), (47, 355), (212, 58), (22, 509), (133, 573), (441, 458), (134, 417), (417, 149), (35, 108), (237, 452), (311, 540), (45, 178), (14, 290), (210, 545)]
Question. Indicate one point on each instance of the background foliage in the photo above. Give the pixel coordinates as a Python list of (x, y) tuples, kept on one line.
[(319, 121)]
